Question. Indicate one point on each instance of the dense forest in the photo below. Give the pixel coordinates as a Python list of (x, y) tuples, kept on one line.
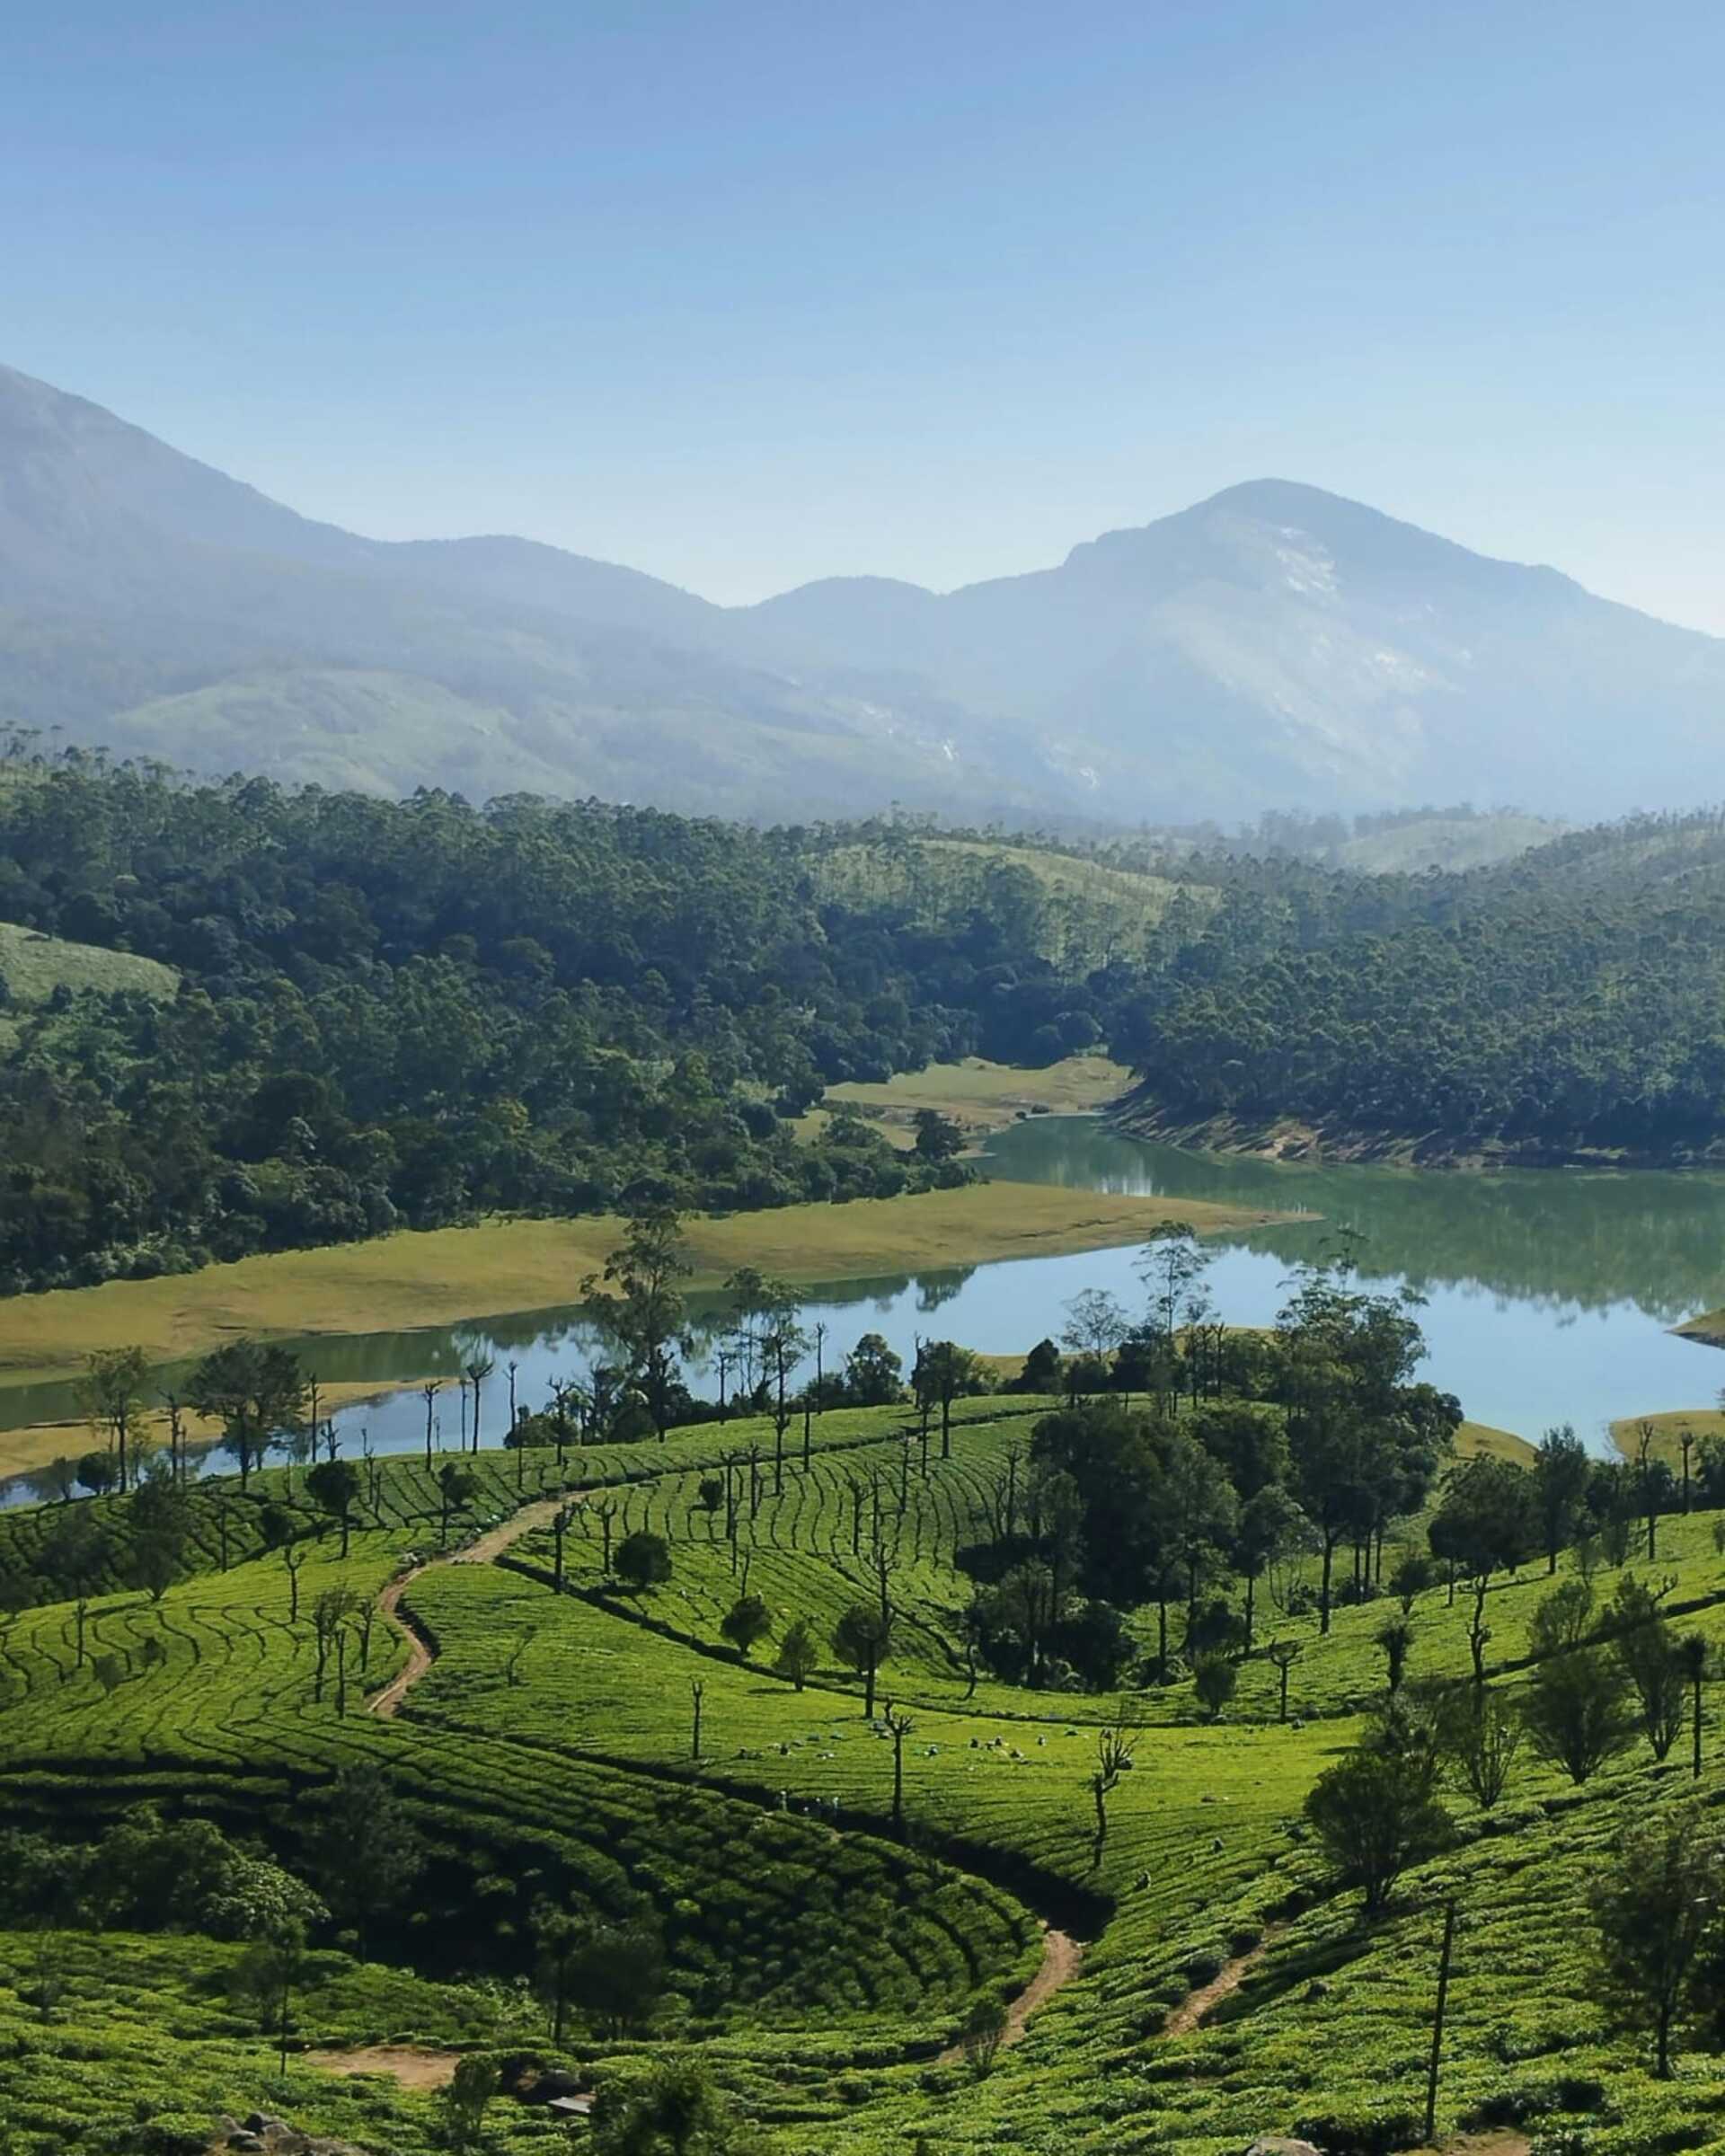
[(1567, 1003), (415, 1012), (342, 1014)]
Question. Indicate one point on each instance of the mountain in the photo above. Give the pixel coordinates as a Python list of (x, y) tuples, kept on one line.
[(1274, 646)]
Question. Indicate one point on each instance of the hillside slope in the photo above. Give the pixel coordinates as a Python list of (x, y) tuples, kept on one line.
[(1273, 645)]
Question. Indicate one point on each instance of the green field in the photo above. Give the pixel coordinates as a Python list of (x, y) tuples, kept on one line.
[(33, 966), (823, 1965)]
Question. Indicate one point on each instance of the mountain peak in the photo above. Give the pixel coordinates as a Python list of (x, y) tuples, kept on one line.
[(1276, 644)]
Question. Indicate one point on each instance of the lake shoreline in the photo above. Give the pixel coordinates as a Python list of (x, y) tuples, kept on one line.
[(411, 1281), (1286, 1139)]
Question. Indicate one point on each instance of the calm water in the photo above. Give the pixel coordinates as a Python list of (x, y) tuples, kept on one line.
[(1549, 1296)]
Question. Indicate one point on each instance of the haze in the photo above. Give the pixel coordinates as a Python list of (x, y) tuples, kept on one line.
[(757, 295)]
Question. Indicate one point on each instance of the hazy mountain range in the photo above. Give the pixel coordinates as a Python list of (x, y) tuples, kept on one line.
[(1272, 646)]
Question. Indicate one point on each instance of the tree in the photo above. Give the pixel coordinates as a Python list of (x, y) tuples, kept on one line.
[(1646, 1651), (1376, 1812), (97, 1473), (746, 1623), (899, 1726), (476, 2079), (331, 1613), (1213, 1679), (1654, 1907), (798, 1657), (1284, 1654), (1096, 1324), (949, 1370), (863, 1641), (1577, 1708), (475, 1370), (938, 1137), (983, 2033), (1393, 1638), (1694, 1658), (616, 1975), (457, 1487), (1562, 1471), (255, 1391), (153, 1564), (1566, 1618), (643, 1560), (637, 1304), (266, 1978), (710, 1496), (671, 2108), (362, 1848), (1479, 1738), (1268, 1524), (54, 1483), (873, 1373), (1114, 1751), (112, 1391), (1171, 1265), (333, 1487)]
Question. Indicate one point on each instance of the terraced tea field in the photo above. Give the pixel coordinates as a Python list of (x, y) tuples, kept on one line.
[(824, 1960)]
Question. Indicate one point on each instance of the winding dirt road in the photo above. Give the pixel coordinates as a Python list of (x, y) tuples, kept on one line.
[(1063, 1958), (420, 1652)]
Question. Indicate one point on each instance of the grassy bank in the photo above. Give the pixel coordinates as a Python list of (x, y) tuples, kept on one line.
[(1701, 1422), (402, 1281), (1709, 1328), (1476, 1438), (979, 1095)]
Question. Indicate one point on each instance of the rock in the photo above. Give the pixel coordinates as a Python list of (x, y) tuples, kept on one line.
[(266, 2122), (554, 2082), (254, 2144), (1277, 2144)]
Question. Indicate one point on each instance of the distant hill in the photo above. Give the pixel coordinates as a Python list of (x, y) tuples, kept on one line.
[(1272, 646)]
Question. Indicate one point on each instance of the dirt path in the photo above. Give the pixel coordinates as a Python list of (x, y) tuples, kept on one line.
[(413, 2069), (420, 1652), (1192, 2011), (1063, 1958)]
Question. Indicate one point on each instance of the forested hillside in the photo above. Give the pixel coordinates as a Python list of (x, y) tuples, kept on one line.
[(304, 1017), (1569, 1002), (413, 1013)]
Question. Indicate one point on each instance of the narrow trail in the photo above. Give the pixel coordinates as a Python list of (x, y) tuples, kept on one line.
[(1063, 1958), (412, 2068), (421, 1653), (1197, 2005)]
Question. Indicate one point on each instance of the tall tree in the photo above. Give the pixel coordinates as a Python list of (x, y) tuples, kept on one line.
[(256, 1391), (637, 1304), (112, 1391)]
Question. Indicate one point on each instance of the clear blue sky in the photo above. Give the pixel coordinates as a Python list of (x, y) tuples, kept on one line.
[(746, 294)]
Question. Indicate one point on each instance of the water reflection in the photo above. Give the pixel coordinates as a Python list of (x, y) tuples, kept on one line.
[(1549, 1296)]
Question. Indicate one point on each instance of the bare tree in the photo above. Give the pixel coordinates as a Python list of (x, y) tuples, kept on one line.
[(1114, 1751), (900, 1726)]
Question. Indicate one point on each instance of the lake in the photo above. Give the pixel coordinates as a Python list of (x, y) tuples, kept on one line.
[(1549, 1294)]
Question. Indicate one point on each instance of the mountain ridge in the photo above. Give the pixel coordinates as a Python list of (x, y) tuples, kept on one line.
[(1275, 644)]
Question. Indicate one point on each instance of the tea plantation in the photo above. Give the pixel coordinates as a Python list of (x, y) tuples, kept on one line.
[(827, 1895)]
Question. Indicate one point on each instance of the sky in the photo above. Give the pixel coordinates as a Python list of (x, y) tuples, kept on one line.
[(747, 294)]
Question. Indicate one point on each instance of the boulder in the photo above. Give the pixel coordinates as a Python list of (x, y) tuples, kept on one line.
[(554, 2082), (1278, 2145)]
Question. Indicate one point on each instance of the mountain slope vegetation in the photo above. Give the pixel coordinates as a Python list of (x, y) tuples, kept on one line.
[(1274, 646)]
